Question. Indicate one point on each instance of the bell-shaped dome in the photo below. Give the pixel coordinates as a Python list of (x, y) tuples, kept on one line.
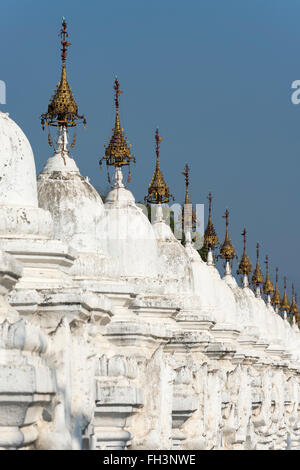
[(246, 309), (128, 235), (75, 205), (174, 262), (223, 297), (20, 215), (203, 282), (17, 168), (251, 315)]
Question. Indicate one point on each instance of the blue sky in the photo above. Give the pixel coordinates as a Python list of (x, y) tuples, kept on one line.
[(214, 75)]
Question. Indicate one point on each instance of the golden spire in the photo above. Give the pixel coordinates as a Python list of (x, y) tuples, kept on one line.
[(186, 174), (187, 202), (117, 152), (268, 286), (158, 191), (210, 236), (276, 299), (294, 307), (285, 305), (245, 266), (62, 109), (257, 277), (227, 251)]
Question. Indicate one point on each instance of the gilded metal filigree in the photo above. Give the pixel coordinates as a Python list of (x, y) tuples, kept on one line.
[(294, 307), (257, 278), (62, 109), (227, 250), (276, 299), (158, 191), (268, 287), (117, 152), (245, 266), (285, 305), (210, 236)]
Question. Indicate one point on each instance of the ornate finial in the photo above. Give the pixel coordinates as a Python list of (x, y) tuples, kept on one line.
[(244, 233), (227, 250), (210, 236), (257, 278), (285, 305), (117, 152), (117, 92), (245, 266), (186, 175), (209, 197), (62, 109), (65, 44), (294, 307), (268, 286), (158, 191), (276, 299), (158, 140), (226, 217), (191, 220)]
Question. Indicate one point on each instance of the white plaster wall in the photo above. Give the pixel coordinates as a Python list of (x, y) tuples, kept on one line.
[(75, 206), (128, 237), (17, 167)]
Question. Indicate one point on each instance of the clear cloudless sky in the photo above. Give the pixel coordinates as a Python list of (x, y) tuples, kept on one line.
[(214, 75)]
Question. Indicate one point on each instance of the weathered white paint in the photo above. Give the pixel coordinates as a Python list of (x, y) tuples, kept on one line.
[(127, 235), (20, 215), (17, 167), (74, 204), (115, 336)]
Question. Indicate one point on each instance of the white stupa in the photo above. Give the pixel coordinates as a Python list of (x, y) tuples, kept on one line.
[(20, 215), (113, 334), (126, 231), (75, 205), (129, 236)]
